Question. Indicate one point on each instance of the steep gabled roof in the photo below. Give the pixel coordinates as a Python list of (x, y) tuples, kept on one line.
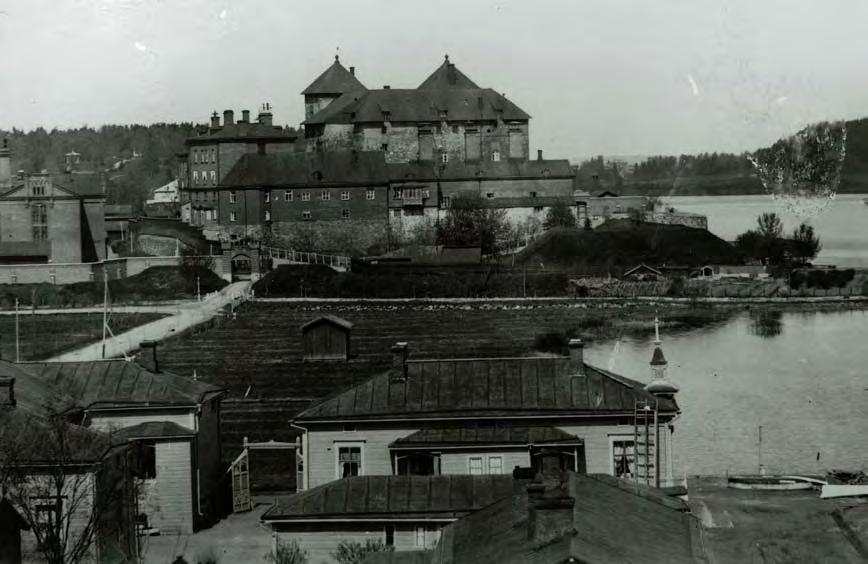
[(487, 387), (287, 170), (334, 80), (447, 76), (119, 383), (410, 105), (328, 318), (393, 497)]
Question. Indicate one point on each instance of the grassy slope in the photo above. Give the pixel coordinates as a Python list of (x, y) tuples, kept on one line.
[(154, 284)]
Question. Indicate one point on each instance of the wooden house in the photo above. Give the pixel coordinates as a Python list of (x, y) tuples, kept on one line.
[(326, 338), (172, 421)]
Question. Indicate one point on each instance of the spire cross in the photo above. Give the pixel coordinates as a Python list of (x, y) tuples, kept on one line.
[(447, 57)]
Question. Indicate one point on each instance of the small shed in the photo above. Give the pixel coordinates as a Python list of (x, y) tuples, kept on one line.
[(643, 272), (11, 525), (326, 338)]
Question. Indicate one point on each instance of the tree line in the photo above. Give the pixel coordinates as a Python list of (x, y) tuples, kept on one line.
[(767, 243)]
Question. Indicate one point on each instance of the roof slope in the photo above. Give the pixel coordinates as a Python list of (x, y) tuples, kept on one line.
[(474, 170), (334, 80), (447, 76), (246, 131), (476, 435), (467, 388), (359, 168), (364, 497), (328, 318), (408, 105), (119, 383), (154, 430), (611, 522), (29, 438)]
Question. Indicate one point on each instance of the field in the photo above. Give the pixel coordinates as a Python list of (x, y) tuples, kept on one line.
[(257, 356), (44, 336)]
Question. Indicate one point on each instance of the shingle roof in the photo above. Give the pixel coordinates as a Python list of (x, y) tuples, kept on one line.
[(154, 430), (478, 435), (447, 76), (334, 80), (387, 497), (328, 318), (613, 521), (360, 168), (487, 387), (408, 105), (119, 383), (470, 170)]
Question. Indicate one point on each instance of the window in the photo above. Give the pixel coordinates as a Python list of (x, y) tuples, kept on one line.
[(370, 195), (389, 534), (213, 178), (623, 457), (446, 202), (267, 215), (232, 197), (384, 146), (349, 460), (288, 196), (454, 129), (195, 156), (213, 155), (267, 196), (414, 211), (148, 459), (387, 116), (47, 514), (537, 209), (489, 195), (418, 464), (233, 216), (495, 465), (396, 212), (195, 177), (345, 195), (533, 194), (305, 215), (442, 115), (39, 221), (305, 196), (345, 213), (474, 465), (326, 195), (495, 156), (444, 157), (421, 537), (397, 193), (38, 190)]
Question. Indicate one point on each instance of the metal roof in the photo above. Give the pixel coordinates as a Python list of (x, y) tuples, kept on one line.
[(482, 435), (447, 76), (332, 319), (334, 80), (288, 170), (154, 430)]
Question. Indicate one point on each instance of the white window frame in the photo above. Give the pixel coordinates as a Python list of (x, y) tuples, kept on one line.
[(420, 533), (233, 197), (213, 178), (617, 439), (288, 196), (306, 215), (305, 196), (371, 195), (233, 216), (495, 457), (495, 156), (345, 195), (268, 196), (213, 155), (444, 157), (338, 445), (481, 460), (396, 212), (326, 195), (345, 213), (196, 177), (267, 215)]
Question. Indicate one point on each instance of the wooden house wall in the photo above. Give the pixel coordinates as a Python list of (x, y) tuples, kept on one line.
[(167, 499), (325, 341), (457, 462)]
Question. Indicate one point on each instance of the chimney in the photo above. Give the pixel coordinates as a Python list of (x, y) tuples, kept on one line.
[(7, 392), (264, 117), (386, 87), (353, 71), (215, 121), (577, 356), (539, 154), (21, 175), (550, 505), (399, 362), (228, 117), (5, 165), (153, 346), (245, 116)]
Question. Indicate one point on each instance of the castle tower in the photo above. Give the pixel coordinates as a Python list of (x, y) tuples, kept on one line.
[(659, 384), (329, 86)]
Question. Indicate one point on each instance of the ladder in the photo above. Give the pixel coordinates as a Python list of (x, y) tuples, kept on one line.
[(646, 436)]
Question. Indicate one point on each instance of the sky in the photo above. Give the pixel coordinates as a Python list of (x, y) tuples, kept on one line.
[(613, 77)]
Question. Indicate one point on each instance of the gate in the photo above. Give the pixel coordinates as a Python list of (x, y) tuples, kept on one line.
[(241, 484)]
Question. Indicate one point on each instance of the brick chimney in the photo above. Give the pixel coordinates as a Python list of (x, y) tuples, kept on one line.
[(400, 351), (228, 117), (539, 154), (245, 116), (265, 116), (215, 120), (353, 71), (7, 392), (549, 503), (5, 165), (577, 356), (155, 364)]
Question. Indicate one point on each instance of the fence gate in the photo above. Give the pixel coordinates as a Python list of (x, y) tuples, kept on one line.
[(241, 484)]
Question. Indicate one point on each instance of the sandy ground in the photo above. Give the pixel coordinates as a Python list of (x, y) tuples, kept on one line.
[(235, 540), (742, 526)]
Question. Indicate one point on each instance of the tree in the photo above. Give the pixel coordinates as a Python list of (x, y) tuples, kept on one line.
[(769, 226), (352, 552), (805, 246), (69, 483), (559, 215), (470, 223), (287, 553)]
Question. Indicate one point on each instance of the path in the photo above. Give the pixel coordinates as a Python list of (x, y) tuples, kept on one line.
[(183, 317)]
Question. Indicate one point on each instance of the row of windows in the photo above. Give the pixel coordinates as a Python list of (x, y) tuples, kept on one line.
[(289, 196), (205, 175), (305, 215), (204, 155), (204, 196)]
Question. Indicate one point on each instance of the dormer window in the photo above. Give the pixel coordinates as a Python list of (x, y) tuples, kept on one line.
[(442, 115), (387, 116)]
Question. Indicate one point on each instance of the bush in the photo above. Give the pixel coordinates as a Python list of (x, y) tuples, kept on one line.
[(287, 552), (352, 552)]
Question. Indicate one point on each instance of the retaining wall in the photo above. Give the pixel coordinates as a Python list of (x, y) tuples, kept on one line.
[(89, 272)]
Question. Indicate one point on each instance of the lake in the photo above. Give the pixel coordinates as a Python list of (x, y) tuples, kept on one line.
[(801, 376), (842, 224)]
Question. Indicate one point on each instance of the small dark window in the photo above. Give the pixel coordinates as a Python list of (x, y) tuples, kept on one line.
[(489, 195), (533, 194), (384, 147), (390, 535), (454, 129), (260, 148), (148, 459)]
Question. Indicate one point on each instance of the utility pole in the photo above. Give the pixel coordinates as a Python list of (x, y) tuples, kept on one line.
[(198, 292), (759, 450), (17, 347), (104, 308), (656, 446)]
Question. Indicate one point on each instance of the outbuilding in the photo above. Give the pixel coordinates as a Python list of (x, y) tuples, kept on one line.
[(326, 338)]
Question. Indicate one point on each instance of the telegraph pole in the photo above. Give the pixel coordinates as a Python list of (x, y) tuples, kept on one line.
[(17, 347), (198, 292), (104, 307)]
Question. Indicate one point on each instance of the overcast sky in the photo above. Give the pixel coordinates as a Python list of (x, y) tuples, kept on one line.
[(597, 76)]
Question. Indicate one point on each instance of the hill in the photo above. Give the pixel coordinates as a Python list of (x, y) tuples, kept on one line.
[(618, 245)]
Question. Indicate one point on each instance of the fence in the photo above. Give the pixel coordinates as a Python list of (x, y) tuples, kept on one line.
[(337, 262)]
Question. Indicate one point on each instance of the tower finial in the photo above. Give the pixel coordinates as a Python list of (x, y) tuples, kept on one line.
[(447, 57), (656, 331), (337, 58)]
